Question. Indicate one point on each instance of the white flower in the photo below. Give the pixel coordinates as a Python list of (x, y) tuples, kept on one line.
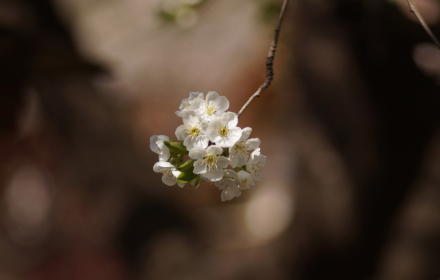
[(169, 173), (223, 132), (213, 106), (255, 164), (208, 162), (192, 132), (157, 146), (229, 177), (238, 153), (230, 192), (245, 180), (193, 102), (229, 185)]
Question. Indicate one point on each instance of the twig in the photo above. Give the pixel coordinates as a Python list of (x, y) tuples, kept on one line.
[(419, 17), (269, 61)]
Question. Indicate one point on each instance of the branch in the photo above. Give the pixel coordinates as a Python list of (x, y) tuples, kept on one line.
[(269, 61), (419, 17)]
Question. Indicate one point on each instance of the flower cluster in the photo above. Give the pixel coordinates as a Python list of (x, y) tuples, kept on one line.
[(213, 148)]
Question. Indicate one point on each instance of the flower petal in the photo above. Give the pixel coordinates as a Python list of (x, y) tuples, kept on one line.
[(181, 132), (230, 118), (213, 174), (189, 116), (234, 135), (234, 157), (252, 144), (227, 194), (197, 153), (169, 179), (255, 164), (163, 138), (221, 185), (231, 174), (176, 173), (255, 153), (165, 155), (195, 94), (153, 145), (162, 165), (212, 131), (199, 167), (203, 126), (202, 141), (261, 159), (223, 161), (190, 142), (193, 142), (197, 103), (245, 180), (222, 103), (245, 132), (242, 160), (204, 179), (212, 95), (154, 142), (214, 150)]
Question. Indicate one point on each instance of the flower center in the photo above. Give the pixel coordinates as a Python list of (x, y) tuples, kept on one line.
[(210, 110), (223, 132), (167, 173), (256, 167), (241, 149), (194, 131), (210, 161)]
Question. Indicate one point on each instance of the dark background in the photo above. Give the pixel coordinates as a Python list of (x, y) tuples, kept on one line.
[(350, 126)]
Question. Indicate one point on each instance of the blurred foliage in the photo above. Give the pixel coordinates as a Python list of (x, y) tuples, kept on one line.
[(181, 12), (186, 12), (269, 10)]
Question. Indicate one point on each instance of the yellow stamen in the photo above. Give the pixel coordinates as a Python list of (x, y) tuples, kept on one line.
[(210, 110), (210, 161), (194, 131), (241, 150), (223, 132)]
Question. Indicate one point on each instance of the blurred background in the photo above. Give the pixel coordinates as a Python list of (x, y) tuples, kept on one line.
[(350, 128)]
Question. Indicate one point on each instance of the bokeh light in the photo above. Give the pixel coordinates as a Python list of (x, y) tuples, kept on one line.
[(28, 201), (269, 213)]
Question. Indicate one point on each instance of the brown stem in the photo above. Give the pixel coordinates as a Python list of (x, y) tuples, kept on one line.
[(269, 61), (419, 17)]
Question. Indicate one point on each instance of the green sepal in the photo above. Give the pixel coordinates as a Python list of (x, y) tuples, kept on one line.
[(238, 169), (187, 165), (177, 147), (197, 183), (186, 176), (174, 161), (225, 152)]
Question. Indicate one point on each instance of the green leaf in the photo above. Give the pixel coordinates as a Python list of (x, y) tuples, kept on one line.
[(186, 176), (177, 147), (187, 165)]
